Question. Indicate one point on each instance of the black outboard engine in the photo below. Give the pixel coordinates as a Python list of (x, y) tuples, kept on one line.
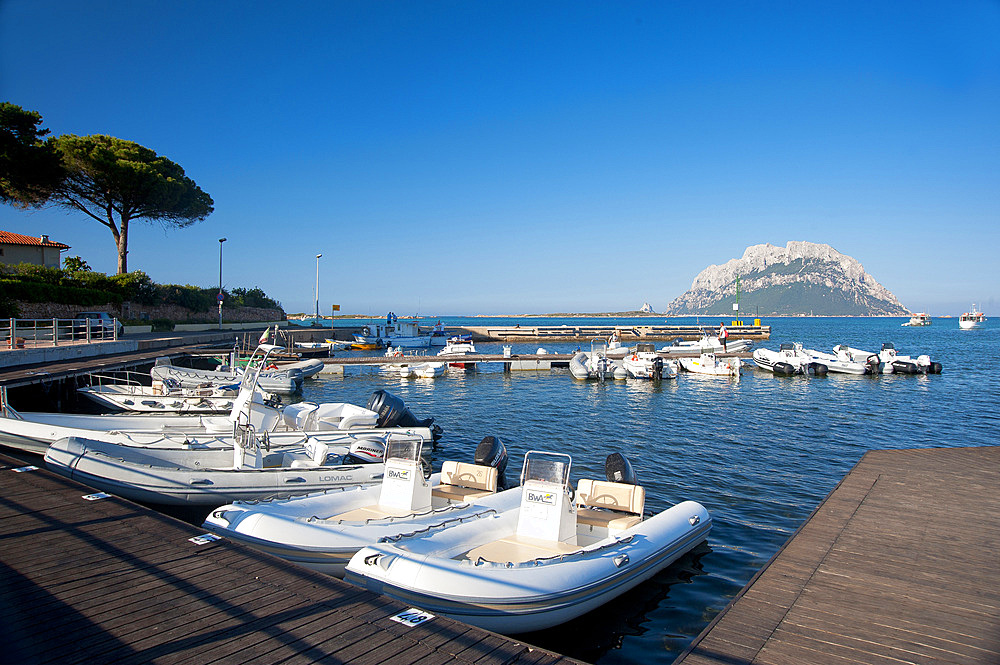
[(784, 368), (491, 452), (819, 369), (874, 364), (392, 412), (657, 368), (617, 469)]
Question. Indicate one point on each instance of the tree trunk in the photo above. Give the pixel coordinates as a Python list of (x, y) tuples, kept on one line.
[(123, 247)]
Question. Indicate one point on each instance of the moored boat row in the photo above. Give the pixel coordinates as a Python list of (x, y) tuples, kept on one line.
[(791, 358)]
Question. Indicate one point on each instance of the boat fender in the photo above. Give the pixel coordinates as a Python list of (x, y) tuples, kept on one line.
[(617, 469)]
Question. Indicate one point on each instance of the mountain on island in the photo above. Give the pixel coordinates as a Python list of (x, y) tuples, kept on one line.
[(800, 278)]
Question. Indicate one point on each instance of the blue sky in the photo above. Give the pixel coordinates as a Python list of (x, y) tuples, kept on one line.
[(524, 157)]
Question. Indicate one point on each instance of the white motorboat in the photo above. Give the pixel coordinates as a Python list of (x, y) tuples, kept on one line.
[(642, 362), (336, 345), (458, 346), (893, 363), (286, 425), (272, 380), (596, 364), (919, 319), (708, 363), (707, 344), (842, 362), (425, 370), (970, 320), (323, 531), (161, 397), (248, 471), (544, 562), (398, 333), (789, 359)]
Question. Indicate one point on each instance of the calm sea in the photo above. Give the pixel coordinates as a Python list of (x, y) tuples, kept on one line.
[(760, 453)]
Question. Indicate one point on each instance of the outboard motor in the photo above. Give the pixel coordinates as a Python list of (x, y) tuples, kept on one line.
[(491, 452), (366, 451), (874, 364), (657, 368), (784, 368), (819, 369), (392, 412), (617, 469)]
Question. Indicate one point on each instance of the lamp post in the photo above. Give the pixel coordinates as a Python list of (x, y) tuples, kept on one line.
[(221, 240), (316, 317)]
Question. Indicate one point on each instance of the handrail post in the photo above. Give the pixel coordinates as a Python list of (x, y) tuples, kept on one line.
[(55, 331)]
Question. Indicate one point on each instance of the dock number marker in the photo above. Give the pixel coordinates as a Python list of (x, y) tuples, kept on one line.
[(412, 617), (25, 469), (205, 538), (96, 497)]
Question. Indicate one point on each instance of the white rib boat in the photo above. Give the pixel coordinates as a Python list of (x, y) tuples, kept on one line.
[(161, 397), (540, 564), (707, 344), (250, 470), (789, 359), (596, 364), (286, 425), (323, 531)]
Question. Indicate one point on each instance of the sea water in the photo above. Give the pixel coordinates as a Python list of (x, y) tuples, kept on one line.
[(760, 453)]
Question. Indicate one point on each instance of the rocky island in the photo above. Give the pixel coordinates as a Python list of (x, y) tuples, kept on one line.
[(801, 278)]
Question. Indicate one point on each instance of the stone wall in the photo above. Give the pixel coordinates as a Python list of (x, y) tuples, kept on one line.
[(133, 311)]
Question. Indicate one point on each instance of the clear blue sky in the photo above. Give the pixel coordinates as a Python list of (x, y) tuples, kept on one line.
[(518, 157)]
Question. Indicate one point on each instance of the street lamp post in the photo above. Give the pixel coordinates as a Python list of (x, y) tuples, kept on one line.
[(316, 317), (221, 240)]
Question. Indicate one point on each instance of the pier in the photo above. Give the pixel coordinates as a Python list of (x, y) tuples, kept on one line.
[(899, 564), (106, 580)]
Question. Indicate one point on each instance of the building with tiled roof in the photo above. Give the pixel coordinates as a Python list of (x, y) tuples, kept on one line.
[(16, 248)]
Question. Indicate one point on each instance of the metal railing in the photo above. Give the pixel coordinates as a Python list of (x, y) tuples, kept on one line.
[(28, 333)]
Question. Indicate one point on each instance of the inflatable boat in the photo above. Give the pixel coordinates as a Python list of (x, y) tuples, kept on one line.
[(323, 531), (250, 470), (596, 364), (893, 363), (542, 563), (789, 359)]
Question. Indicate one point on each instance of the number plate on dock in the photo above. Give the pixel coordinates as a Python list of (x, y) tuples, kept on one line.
[(412, 617)]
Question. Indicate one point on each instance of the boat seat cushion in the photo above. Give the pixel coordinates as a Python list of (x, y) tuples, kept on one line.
[(375, 512), (517, 549), (604, 503), (461, 481)]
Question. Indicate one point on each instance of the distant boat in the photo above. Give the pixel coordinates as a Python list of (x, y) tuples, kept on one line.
[(970, 320), (919, 319)]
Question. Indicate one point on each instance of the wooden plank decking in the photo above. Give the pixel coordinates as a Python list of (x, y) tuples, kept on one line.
[(109, 581), (900, 564)]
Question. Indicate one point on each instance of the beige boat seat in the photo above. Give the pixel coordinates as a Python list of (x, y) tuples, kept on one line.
[(461, 481), (518, 549), (601, 503)]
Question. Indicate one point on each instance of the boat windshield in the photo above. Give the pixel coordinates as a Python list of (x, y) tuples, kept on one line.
[(404, 449), (546, 467), (598, 347)]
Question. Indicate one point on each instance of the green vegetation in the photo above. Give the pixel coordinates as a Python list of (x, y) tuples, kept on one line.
[(111, 180), (33, 283)]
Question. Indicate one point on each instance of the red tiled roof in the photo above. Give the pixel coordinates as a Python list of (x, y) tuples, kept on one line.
[(8, 238)]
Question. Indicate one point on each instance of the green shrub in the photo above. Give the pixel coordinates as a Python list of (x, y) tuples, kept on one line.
[(254, 297), (161, 325), (29, 291)]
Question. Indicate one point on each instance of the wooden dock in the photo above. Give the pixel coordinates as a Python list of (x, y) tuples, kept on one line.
[(900, 564), (107, 581)]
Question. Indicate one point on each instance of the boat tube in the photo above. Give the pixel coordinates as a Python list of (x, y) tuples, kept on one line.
[(249, 471), (540, 564), (323, 531)]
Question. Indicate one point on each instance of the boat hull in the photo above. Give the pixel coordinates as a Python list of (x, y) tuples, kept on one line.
[(182, 477), (522, 597)]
